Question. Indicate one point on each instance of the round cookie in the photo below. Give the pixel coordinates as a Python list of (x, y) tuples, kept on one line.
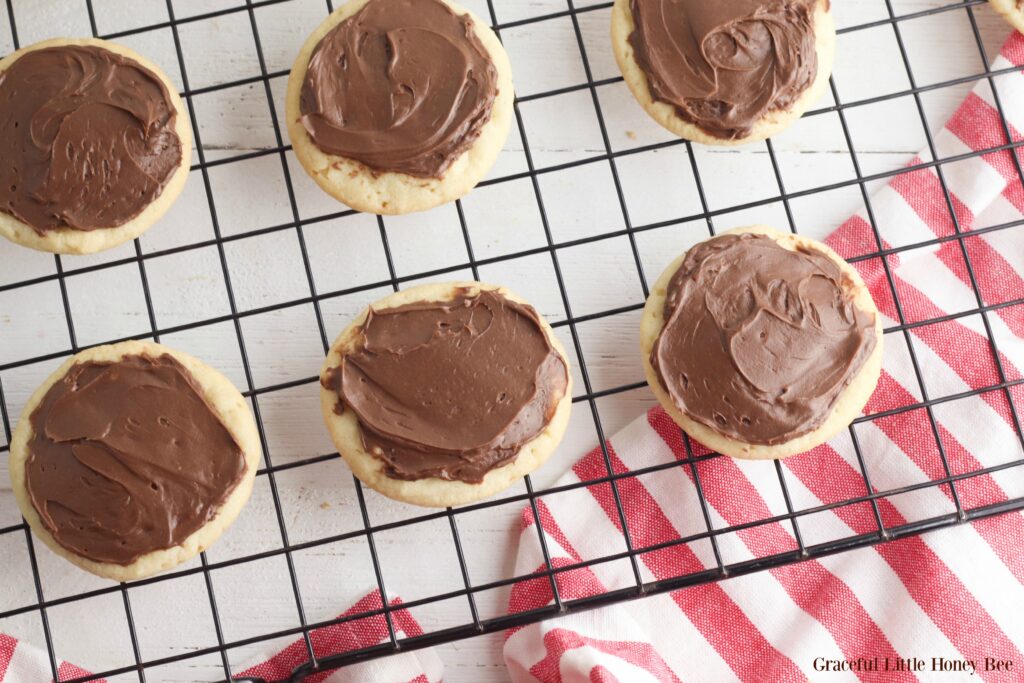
[(434, 491), (229, 407), (847, 406), (665, 114), (71, 241), (387, 192), (1011, 10)]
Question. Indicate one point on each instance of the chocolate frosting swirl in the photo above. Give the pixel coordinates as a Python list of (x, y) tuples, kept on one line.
[(724, 64), (401, 85), (128, 458), (450, 389), (87, 138), (760, 341)]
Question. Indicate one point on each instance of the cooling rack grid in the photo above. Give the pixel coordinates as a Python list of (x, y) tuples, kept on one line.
[(532, 181)]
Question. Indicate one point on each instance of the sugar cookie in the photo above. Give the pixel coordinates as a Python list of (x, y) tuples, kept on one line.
[(95, 145), (132, 458), (445, 394), (761, 344), (390, 118), (703, 69)]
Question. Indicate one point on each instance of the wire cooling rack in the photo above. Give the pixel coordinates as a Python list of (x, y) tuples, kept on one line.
[(587, 401)]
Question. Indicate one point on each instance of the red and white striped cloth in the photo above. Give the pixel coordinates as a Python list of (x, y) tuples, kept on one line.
[(24, 663), (943, 598)]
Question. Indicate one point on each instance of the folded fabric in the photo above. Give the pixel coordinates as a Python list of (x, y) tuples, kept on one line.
[(24, 663), (948, 602)]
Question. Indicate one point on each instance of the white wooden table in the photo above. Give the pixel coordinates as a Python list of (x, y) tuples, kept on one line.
[(284, 345)]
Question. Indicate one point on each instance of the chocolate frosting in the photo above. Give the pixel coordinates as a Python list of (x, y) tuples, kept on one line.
[(401, 85), (128, 458), (724, 64), (87, 138), (759, 341), (450, 389)]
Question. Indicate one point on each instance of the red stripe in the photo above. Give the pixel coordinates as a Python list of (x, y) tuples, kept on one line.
[(402, 620), (1014, 194), (996, 277), (871, 270), (905, 430), (552, 529), (575, 583), (948, 603), (599, 674), (1013, 48), (854, 238), (966, 352), (938, 591), (338, 638), (716, 615), (811, 586), (923, 192), (935, 588), (536, 593), (979, 126), (989, 134), (642, 655), (67, 671), (7, 648), (969, 345)]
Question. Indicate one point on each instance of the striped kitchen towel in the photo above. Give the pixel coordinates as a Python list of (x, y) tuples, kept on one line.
[(24, 663), (942, 606)]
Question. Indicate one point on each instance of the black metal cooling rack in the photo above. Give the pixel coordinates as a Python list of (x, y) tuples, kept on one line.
[(590, 396)]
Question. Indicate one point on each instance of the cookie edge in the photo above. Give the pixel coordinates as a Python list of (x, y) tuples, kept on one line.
[(390, 193), (69, 241), (231, 408), (665, 115), (1009, 11), (433, 491), (848, 405)]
